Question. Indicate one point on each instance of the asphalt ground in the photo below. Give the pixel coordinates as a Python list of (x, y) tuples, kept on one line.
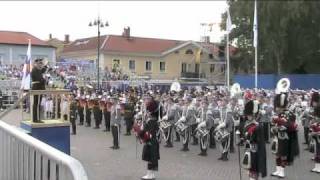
[(91, 147)]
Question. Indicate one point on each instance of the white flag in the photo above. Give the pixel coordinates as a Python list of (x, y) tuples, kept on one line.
[(255, 26), (229, 22), (26, 80)]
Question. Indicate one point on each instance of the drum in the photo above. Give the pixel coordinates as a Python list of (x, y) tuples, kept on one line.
[(221, 135), (181, 127), (164, 125), (201, 132)]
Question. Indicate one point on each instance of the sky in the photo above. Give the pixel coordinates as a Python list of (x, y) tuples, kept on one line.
[(178, 20)]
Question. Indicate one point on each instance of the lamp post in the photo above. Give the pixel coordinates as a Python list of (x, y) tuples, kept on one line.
[(99, 24)]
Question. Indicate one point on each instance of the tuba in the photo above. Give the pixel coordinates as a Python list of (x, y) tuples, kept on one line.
[(175, 86), (283, 86)]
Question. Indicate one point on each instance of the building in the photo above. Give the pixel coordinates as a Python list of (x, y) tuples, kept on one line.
[(58, 44), (152, 58), (13, 48)]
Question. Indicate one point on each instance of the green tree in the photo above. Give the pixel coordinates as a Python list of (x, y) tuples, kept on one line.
[(288, 39)]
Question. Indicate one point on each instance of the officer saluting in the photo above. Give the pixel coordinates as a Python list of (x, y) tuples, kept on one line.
[(38, 83)]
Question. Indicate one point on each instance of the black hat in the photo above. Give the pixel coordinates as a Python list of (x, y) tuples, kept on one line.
[(281, 100), (315, 97), (251, 107)]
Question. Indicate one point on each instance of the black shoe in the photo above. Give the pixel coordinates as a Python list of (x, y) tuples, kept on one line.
[(88, 125), (127, 134), (73, 133), (203, 154)]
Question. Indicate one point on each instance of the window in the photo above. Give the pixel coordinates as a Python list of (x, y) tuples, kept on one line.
[(222, 68), (183, 67), (132, 65), (210, 56), (148, 65), (189, 51), (197, 68), (115, 64), (162, 66), (212, 66), (1, 59)]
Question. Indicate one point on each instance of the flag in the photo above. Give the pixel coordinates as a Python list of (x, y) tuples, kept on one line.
[(255, 25), (26, 79), (198, 55), (229, 22)]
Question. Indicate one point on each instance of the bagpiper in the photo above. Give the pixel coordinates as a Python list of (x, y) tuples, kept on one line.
[(254, 159), (285, 144)]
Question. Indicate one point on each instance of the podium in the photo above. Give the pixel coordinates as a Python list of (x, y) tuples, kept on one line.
[(55, 132)]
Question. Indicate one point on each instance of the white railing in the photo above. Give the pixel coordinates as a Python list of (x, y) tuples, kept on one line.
[(23, 157)]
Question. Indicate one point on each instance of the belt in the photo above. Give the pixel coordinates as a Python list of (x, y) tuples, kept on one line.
[(35, 82)]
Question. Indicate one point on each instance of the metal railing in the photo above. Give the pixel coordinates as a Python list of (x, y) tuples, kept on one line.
[(23, 157)]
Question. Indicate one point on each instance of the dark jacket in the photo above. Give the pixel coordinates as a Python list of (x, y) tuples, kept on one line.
[(151, 147), (38, 82)]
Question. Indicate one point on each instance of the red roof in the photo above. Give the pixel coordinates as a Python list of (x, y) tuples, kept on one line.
[(122, 44), (20, 38), (139, 45), (84, 44)]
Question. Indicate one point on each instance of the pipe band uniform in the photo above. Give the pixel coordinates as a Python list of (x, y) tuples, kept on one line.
[(286, 138), (254, 159), (315, 137)]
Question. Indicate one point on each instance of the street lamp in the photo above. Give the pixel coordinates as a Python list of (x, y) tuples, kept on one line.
[(99, 24)]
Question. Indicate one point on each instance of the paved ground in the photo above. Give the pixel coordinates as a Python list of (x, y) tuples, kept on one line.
[(91, 147)]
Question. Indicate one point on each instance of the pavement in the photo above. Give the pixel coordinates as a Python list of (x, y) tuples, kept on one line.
[(91, 147)]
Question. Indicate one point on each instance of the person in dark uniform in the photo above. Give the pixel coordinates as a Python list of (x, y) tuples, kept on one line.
[(73, 114), (81, 106), (128, 115), (115, 121), (38, 83), (107, 114), (97, 113), (151, 152), (88, 112)]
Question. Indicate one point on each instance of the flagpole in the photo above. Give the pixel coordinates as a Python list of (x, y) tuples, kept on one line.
[(228, 63), (255, 43)]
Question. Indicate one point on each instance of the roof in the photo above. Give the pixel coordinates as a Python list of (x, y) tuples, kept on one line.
[(20, 38), (122, 44), (138, 44), (114, 43), (84, 44)]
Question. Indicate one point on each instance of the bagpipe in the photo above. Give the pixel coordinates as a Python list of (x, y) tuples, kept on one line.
[(138, 127), (314, 136)]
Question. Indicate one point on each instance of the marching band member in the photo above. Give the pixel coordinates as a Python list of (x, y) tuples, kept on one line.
[(179, 103), (148, 133), (287, 146), (266, 116), (73, 114), (203, 126), (315, 137), (81, 106), (189, 118), (255, 160), (115, 121), (107, 113), (169, 117), (88, 109), (97, 113), (128, 114), (226, 125)]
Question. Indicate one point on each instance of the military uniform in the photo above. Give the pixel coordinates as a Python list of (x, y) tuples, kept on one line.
[(73, 116), (115, 121)]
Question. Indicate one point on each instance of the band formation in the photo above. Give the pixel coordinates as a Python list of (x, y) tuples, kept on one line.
[(215, 119)]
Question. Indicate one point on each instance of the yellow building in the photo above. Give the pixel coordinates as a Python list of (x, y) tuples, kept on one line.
[(157, 59)]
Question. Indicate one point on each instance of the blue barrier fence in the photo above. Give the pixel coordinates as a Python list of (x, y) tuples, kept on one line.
[(269, 81)]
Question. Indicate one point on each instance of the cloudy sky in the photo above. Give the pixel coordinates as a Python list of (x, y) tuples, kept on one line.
[(178, 20)]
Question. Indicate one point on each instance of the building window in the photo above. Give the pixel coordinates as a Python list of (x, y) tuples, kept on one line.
[(162, 66), (132, 65), (148, 65), (212, 66), (222, 68), (183, 67), (189, 51), (197, 68), (1, 59), (210, 56), (115, 65)]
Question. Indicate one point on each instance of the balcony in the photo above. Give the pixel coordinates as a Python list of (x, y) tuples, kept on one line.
[(192, 75)]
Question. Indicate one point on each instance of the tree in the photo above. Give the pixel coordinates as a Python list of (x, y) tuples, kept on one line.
[(289, 36)]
